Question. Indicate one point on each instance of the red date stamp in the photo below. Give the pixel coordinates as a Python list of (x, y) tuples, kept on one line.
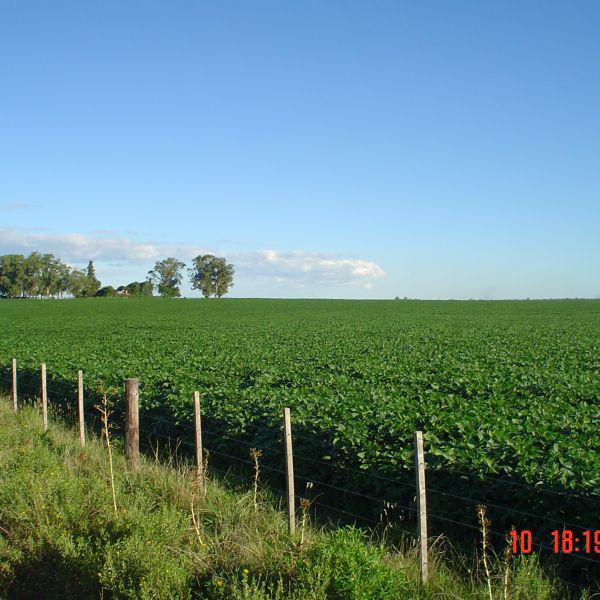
[(562, 541)]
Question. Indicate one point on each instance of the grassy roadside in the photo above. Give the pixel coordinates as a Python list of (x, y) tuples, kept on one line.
[(60, 536)]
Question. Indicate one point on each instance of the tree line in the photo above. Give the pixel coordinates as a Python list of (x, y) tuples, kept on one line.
[(46, 276)]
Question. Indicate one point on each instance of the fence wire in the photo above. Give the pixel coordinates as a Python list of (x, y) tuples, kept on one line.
[(276, 446)]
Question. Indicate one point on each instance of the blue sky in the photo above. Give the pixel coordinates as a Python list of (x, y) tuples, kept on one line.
[(328, 149)]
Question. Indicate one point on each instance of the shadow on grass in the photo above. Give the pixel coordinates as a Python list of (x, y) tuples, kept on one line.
[(49, 574)]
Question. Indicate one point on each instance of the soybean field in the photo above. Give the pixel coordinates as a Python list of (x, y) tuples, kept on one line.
[(506, 390)]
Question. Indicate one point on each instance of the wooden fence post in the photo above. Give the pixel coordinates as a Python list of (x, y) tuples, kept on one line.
[(14, 383), (44, 392), (421, 503), (198, 432), (132, 423), (289, 467), (80, 407)]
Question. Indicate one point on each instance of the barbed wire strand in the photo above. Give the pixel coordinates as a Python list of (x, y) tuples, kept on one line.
[(219, 434), (362, 495), (182, 442), (504, 508), (331, 486), (331, 465), (365, 473), (486, 478), (268, 467), (509, 482), (346, 491), (362, 517)]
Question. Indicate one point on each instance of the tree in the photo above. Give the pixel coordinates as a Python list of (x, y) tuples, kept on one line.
[(32, 278), (212, 275), (139, 288), (52, 276), (106, 292), (12, 275), (93, 285), (63, 278), (167, 277), (45, 275), (78, 283)]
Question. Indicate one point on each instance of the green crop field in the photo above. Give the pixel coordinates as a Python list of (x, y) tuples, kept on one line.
[(509, 388)]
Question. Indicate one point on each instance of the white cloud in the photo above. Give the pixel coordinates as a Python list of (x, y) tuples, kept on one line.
[(76, 247), (283, 268), (304, 267)]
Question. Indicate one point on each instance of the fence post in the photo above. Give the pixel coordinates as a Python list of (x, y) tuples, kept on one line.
[(44, 391), (198, 432), (289, 467), (80, 407), (14, 383), (421, 503), (132, 423)]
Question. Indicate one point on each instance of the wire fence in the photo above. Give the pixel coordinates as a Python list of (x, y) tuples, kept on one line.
[(338, 491), (316, 482)]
